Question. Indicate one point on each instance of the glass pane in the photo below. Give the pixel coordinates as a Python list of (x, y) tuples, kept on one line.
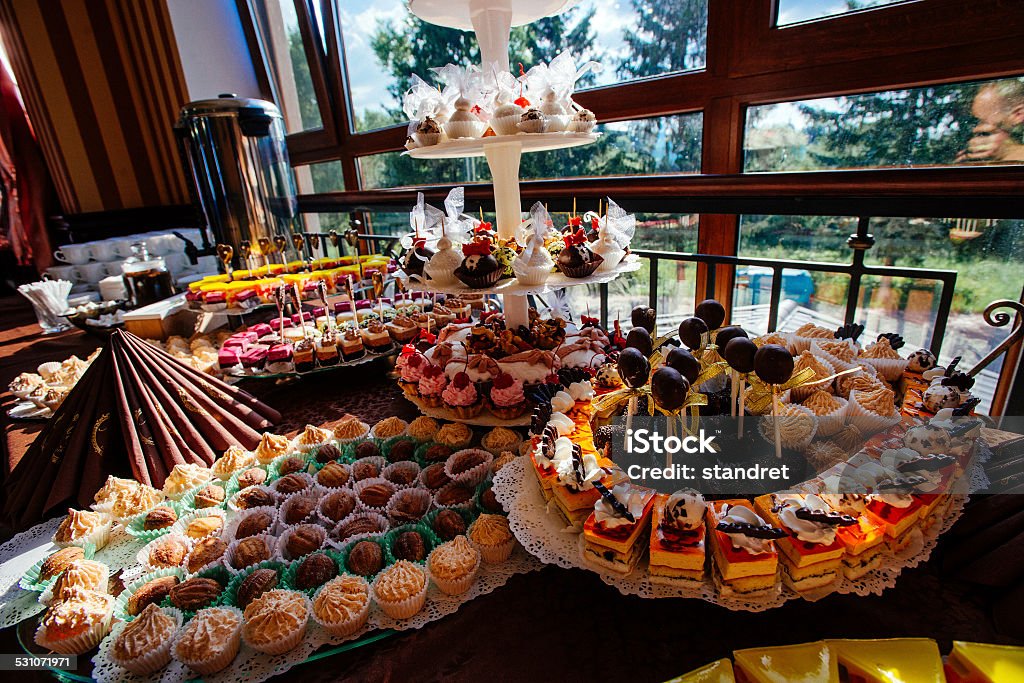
[(286, 57), (796, 11), (385, 45), (317, 178), (668, 144), (980, 122)]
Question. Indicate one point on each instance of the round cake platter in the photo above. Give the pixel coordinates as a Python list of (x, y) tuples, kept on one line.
[(478, 147), (368, 358), (555, 282), (484, 419)]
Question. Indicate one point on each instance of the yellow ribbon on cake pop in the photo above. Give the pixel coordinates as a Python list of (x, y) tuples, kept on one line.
[(760, 398)]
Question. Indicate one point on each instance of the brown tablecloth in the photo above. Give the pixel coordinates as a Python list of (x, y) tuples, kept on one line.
[(560, 624)]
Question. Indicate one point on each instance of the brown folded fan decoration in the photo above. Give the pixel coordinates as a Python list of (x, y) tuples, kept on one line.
[(136, 412)]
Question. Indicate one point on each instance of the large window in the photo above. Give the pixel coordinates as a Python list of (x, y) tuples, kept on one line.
[(796, 11)]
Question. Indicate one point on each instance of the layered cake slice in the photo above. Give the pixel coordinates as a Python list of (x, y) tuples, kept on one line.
[(573, 489), (614, 534), (677, 539), (898, 513), (806, 663), (895, 660), (811, 551), (745, 558)]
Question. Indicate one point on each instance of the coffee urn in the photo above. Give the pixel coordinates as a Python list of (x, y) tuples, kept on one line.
[(234, 150)]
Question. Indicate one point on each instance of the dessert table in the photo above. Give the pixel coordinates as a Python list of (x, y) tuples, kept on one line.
[(524, 630)]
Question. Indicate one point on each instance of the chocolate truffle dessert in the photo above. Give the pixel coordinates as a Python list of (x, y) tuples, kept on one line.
[(255, 585), (448, 524), (365, 558)]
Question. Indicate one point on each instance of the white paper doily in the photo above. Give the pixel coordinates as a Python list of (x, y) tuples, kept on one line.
[(544, 534)]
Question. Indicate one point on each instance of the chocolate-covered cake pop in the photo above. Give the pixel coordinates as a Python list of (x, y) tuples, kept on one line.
[(739, 354), (634, 368), (577, 259), (711, 312), (639, 338), (773, 364), (645, 317), (691, 331), (726, 334), (417, 257), (683, 362), (669, 388), (479, 267)]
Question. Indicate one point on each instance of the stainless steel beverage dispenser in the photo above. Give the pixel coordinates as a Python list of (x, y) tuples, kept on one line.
[(234, 149)]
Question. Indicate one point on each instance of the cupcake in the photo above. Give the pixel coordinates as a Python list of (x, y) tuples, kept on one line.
[(350, 429), (432, 385), (423, 428), (235, 459), (577, 259), (312, 437), (885, 359), (461, 397), (275, 622), (796, 425), (342, 605), (389, 427), (507, 398), (454, 435), (144, 646), (401, 589), (479, 268), (210, 640), (271, 446), (800, 339), (505, 119), (185, 477), (490, 534), (532, 121), (830, 410), (499, 440), (841, 353), (453, 565), (533, 266), (583, 121), (87, 575), (427, 133), (81, 527), (463, 123), (76, 625), (873, 410), (821, 368)]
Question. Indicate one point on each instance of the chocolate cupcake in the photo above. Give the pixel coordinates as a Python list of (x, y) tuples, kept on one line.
[(335, 506), (479, 268), (577, 259), (434, 477), (328, 453), (290, 465), (402, 450), (367, 449)]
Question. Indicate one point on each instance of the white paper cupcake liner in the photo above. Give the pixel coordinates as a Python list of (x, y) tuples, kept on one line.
[(466, 505), (577, 126), (506, 125), (98, 537), (229, 554), (798, 394), (496, 451), (47, 597), (281, 552), (181, 525), (474, 475), (838, 363), (532, 126), (534, 276), (378, 460), (865, 420), (156, 658), (305, 476), (833, 422), (283, 520), (380, 521), (82, 643), (143, 555), (232, 503), (374, 435), (401, 609), (287, 642), (325, 488), (326, 521), (354, 622), (795, 442), (464, 129), (424, 496), (422, 483), (212, 663), (841, 383), (360, 486), (889, 368), (496, 554), (231, 529), (454, 586), (407, 465)]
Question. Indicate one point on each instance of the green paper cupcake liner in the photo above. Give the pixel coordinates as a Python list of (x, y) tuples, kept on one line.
[(121, 603), (288, 575), (187, 501), (219, 574), (232, 487), (345, 459), (136, 527), (274, 468), (30, 581), (385, 447), (342, 555), (480, 489), (421, 452), (468, 516), (229, 598), (431, 540)]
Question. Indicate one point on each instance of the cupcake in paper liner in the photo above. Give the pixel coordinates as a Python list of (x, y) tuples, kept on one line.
[(532, 120), (453, 565), (797, 426), (863, 378), (350, 429), (501, 439), (298, 508), (427, 132), (490, 534), (374, 494), (342, 605), (258, 520), (275, 622), (485, 500), (76, 625), (82, 527), (822, 369), (469, 466), (401, 590), (462, 397), (43, 573), (333, 475), (830, 411), (367, 468), (389, 428), (359, 524), (399, 449), (153, 523), (271, 447), (205, 497), (885, 359), (245, 552), (533, 266), (423, 429), (148, 589), (185, 477), (403, 474), (873, 410), (312, 437), (234, 459), (840, 353), (200, 524), (143, 647), (432, 386), (298, 541), (209, 642), (83, 574), (505, 119), (164, 552), (577, 259), (365, 557), (801, 338), (409, 505), (456, 496), (455, 435)]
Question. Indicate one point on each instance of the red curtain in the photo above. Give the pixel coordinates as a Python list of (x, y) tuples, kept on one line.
[(26, 184)]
